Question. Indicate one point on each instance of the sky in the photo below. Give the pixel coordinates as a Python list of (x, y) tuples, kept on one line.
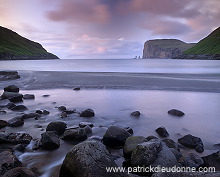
[(75, 29)]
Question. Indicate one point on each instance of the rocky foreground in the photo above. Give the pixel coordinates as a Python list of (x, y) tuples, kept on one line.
[(90, 157)]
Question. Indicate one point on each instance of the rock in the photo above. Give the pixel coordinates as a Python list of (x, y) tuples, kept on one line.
[(3, 123), (45, 96), (19, 108), (176, 153), (8, 161), (76, 89), (84, 124), (212, 160), (45, 112), (39, 112), (193, 160), (176, 112), (130, 143), (31, 116), (69, 111), (128, 129), (145, 154), (15, 138), (136, 114), (162, 132), (88, 129), (49, 141), (151, 137), (78, 134), (4, 103), (12, 96), (63, 115), (20, 147), (171, 144), (58, 127), (62, 108), (115, 137), (16, 122), (88, 159), (11, 88), (11, 105), (87, 113), (8, 75), (191, 142), (29, 96), (19, 172), (200, 148)]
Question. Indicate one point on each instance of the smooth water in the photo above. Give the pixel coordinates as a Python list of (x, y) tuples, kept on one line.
[(116, 65)]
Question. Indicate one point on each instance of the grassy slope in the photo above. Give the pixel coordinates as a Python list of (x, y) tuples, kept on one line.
[(208, 45), (11, 42)]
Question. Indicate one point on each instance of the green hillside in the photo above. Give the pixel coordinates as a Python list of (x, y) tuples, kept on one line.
[(14, 46), (208, 45)]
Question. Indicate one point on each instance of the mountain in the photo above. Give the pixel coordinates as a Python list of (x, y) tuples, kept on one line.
[(15, 47), (164, 48)]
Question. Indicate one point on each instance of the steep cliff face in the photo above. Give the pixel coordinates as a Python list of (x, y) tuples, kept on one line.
[(15, 47), (164, 48)]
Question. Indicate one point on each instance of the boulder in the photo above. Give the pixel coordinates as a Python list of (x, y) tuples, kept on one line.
[(49, 141), (19, 172), (29, 96), (84, 124), (62, 108), (11, 88), (4, 103), (39, 111), (15, 138), (45, 112), (145, 154), (130, 143), (58, 127), (76, 88), (136, 114), (19, 108), (16, 122), (3, 123), (31, 116), (11, 105), (115, 136), (191, 142), (8, 161), (12, 96), (162, 132), (176, 153), (88, 129), (89, 159), (87, 113), (171, 144), (212, 160), (176, 112), (193, 160), (78, 134)]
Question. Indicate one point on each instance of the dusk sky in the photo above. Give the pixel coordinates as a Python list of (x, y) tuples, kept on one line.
[(108, 28)]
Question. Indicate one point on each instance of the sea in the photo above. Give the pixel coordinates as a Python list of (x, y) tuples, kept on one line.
[(113, 106)]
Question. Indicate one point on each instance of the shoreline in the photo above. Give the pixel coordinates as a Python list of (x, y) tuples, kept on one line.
[(38, 80)]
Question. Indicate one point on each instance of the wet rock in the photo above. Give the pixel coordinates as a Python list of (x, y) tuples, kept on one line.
[(115, 137), (151, 137), (136, 114), (58, 127), (15, 138), (171, 144), (49, 141), (78, 134), (69, 111), (84, 124), (62, 108), (45, 96), (130, 143), (200, 148), (31, 116), (11, 88), (212, 160), (39, 112), (88, 129), (191, 142), (45, 112), (16, 122), (19, 108), (11, 105), (12, 96), (4, 103), (9, 75), (19, 172), (88, 158), (176, 153), (3, 123), (145, 153), (162, 132), (76, 89), (87, 113), (8, 161), (29, 96), (128, 129), (176, 112), (193, 160), (20, 147)]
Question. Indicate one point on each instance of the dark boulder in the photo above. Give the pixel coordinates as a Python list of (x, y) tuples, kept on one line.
[(84, 124), (39, 112), (192, 142), (58, 127), (31, 116), (88, 129), (136, 114), (78, 134), (62, 108), (193, 160), (19, 108), (16, 122), (176, 112), (45, 112), (8, 75), (76, 89), (3, 123), (171, 144), (15, 138), (162, 132), (49, 141), (212, 160), (29, 97), (19, 172), (115, 136), (11, 105), (89, 159), (12, 96), (87, 113), (8, 161), (11, 88)]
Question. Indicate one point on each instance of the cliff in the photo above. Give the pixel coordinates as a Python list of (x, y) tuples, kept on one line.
[(15, 47), (164, 48)]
